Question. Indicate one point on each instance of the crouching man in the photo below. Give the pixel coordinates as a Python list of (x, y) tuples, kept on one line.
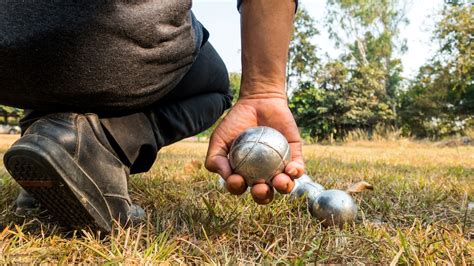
[(106, 84)]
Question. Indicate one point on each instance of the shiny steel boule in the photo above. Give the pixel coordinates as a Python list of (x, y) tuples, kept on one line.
[(333, 207), (306, 186), (313, 191), (258, 154)]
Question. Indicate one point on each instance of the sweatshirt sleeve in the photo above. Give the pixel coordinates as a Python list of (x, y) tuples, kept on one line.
[(239, 2)]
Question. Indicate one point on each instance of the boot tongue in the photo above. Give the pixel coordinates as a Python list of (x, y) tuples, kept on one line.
[(138, 152), (101, 135), (97, 159)]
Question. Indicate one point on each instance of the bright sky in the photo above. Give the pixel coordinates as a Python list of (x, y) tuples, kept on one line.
[(222, 20)]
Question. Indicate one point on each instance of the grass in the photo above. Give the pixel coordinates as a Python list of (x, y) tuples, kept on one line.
[(417, 214)]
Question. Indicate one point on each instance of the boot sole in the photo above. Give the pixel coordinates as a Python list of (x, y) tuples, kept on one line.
[(47, 171)]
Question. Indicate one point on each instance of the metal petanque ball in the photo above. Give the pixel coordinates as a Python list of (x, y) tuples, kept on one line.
[(333, 207), (306, 186), (258, 154), (312, 190)]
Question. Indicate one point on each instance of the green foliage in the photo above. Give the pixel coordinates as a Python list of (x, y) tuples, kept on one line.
[(11, 110), (440, 102), (302, 58), (10, 115), (357, 90), (346, 99), (317, 111), (234, 83)]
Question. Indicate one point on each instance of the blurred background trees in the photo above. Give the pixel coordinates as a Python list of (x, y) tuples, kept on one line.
[(363, 88), (10, 115), (440, 101)]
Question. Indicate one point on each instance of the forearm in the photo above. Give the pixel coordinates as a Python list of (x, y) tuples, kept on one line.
[(266, 27)]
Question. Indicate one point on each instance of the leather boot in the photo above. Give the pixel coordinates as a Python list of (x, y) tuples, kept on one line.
[(65, 161), (27, 205)]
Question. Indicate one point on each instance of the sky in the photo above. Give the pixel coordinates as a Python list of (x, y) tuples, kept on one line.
[(222, 20)]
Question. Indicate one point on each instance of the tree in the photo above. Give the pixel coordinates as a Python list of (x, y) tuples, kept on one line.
[(10, 112), (455, 33), (318, 110), (358, 89), (234, 83), (370, 30), (440, 101), (302, 58)]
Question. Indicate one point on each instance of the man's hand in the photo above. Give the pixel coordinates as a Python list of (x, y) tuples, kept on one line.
[(251, 112), (266, 31)]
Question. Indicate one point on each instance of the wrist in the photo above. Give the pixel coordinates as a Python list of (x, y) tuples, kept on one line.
[(262, 90)]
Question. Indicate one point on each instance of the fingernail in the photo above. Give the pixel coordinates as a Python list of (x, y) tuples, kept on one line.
[(292, 171)]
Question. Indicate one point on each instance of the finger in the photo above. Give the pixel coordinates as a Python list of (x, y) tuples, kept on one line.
[(297, 153), (283, 183), (235, 184), (216, 158), (262, 193), (294, 169)]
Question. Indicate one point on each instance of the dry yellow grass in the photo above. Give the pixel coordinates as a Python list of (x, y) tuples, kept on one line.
[(401, 152), (417, 214), (7, 140)]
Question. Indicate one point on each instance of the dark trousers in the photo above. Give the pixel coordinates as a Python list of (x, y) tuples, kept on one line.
[(194, 105)]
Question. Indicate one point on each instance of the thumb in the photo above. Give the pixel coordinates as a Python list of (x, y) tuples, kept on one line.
[(296, 167)]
